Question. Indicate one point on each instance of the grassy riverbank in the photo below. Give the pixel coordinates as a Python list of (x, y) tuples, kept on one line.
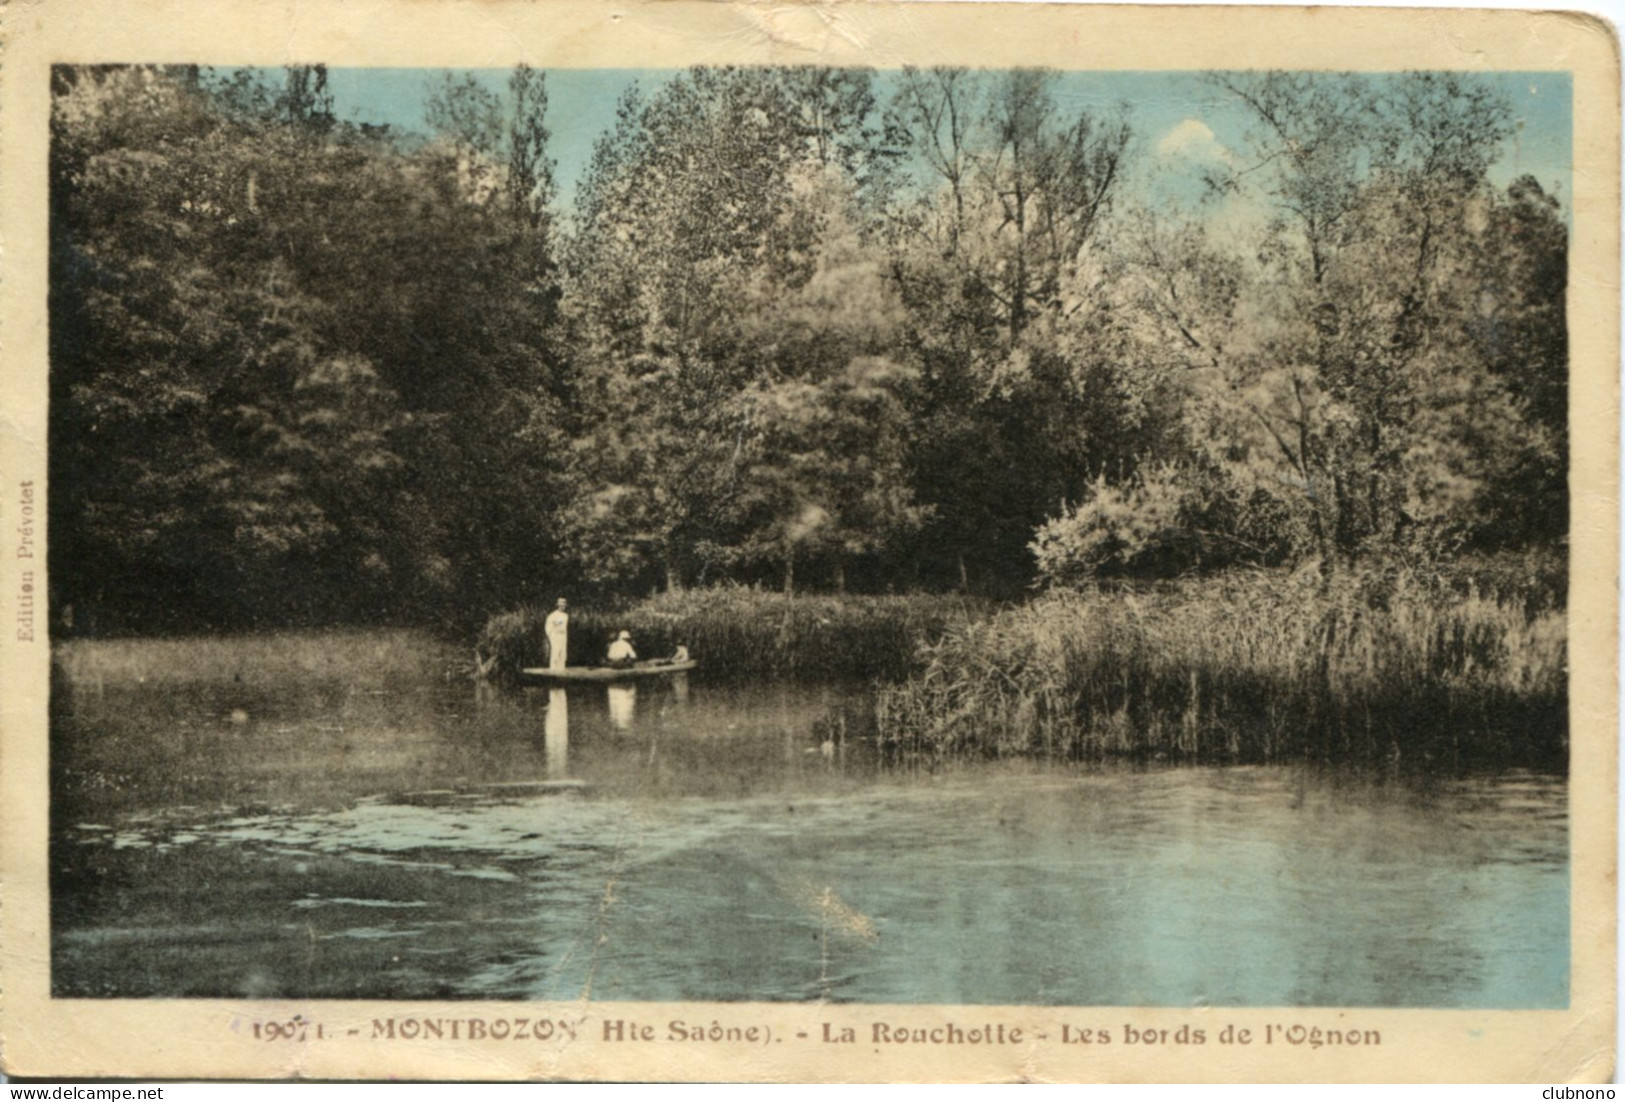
[(734, 630), (353, 656), (1251, 667)]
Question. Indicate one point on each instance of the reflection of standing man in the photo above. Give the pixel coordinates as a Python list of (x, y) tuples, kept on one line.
[(558, 635)]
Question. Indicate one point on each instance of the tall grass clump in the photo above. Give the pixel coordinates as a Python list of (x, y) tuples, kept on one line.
[(1249, 667), (740, 631)]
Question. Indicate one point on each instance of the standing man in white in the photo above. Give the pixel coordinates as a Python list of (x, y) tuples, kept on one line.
[(558, 635)]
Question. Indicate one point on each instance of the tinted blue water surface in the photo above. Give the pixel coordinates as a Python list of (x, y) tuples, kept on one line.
[(703, 841)]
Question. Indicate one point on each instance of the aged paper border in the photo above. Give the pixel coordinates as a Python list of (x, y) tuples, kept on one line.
[(174, 1039)]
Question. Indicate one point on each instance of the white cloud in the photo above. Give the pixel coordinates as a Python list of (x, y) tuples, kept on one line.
[(1192, 140)]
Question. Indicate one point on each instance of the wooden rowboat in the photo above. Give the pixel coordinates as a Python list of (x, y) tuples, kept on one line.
[(541, 675)]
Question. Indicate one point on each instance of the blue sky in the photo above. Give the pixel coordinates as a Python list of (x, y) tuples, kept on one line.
[(1179, 121)]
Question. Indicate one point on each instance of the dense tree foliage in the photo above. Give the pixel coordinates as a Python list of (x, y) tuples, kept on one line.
[(1023, 399), (803, 325), (1350, 382), (290, 357)]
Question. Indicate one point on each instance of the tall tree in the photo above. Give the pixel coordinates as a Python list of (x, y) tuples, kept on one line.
[(1520, 329), (1021, 400), (1335, 367), (707, 212), (256, 370), (824, 477)]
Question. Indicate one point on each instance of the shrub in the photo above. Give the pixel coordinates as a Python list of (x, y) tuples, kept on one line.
[(1163, 522)]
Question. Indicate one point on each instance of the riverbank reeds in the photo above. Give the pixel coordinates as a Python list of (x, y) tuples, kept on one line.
[(740, 631), (1251, 667)]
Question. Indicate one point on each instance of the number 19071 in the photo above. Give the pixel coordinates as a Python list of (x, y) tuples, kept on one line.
[(297, 1028)]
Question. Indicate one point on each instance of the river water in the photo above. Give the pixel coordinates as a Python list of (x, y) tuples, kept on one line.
[(707, 841)]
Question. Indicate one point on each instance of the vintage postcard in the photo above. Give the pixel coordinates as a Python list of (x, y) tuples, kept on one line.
[(888, 541)]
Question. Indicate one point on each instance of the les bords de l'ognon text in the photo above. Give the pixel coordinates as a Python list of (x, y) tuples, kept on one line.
[(879, 1033)]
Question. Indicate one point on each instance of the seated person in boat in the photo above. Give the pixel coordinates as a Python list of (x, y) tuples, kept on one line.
[(621, 654), (679, 655)]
